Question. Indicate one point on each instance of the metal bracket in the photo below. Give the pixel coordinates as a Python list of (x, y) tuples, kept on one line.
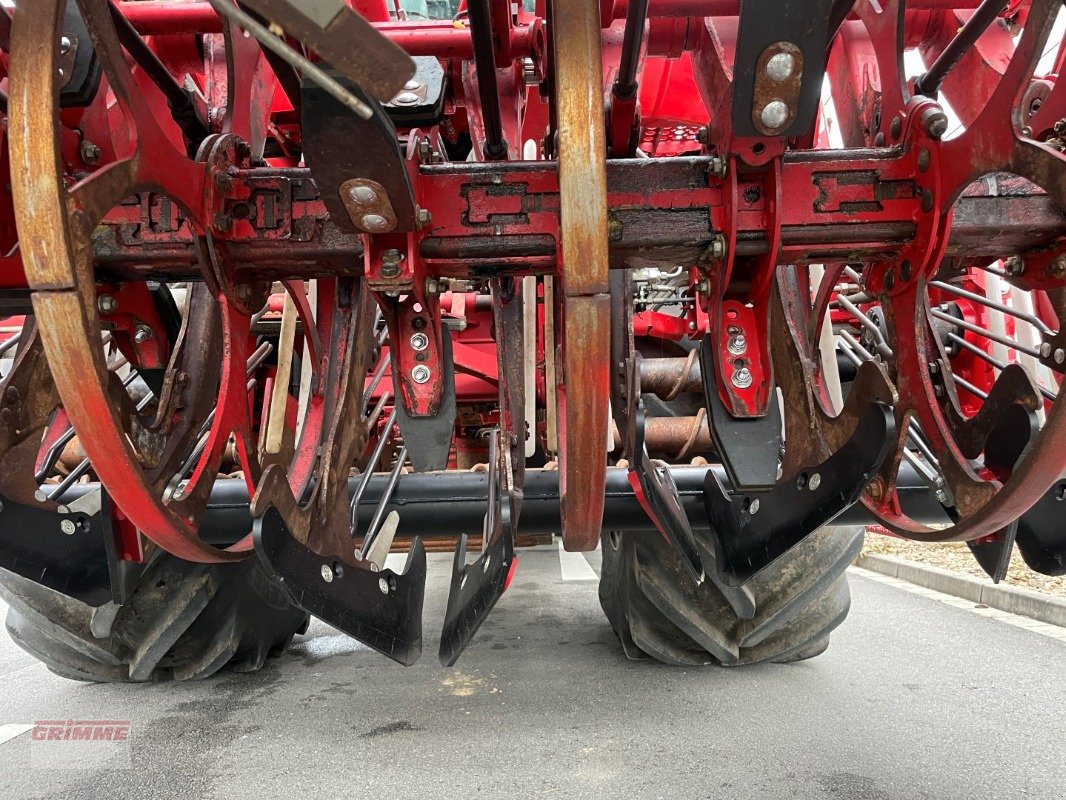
[(477, 587), (383, 610), (429, 438), (750, 532), (654, 488), (748, 446), (779, 64)]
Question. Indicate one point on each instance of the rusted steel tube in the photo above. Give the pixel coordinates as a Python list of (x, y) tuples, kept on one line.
[(669, 377), (677, 438)]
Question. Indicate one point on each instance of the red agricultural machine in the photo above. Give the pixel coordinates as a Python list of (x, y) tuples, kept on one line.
[(291, 284)]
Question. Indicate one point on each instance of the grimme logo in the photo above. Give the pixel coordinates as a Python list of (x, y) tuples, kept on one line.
[(84, 730)]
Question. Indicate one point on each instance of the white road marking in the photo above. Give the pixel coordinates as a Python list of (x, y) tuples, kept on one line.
[(13, 729), (574, 567), (1036, 626)]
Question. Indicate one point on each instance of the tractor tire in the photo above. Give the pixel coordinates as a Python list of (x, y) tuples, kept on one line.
[(182, 621), (783, 614)]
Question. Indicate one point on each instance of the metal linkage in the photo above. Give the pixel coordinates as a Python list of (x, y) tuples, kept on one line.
[(929, 83), (275, 45)]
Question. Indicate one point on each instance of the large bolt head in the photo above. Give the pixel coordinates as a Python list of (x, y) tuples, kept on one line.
[(742, 378), (779, 67), (375, 223), (420, 374), (774, 114)]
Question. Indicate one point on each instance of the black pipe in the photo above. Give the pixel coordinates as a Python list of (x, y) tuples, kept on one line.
[(485, 65), (929, 83), (625, 84), (445, 504), (181, 106)]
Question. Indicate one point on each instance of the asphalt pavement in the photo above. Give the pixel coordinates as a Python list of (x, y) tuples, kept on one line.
[(915, 698)]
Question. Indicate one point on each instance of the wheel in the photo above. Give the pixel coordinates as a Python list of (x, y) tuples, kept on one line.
[(182, 621), (792, 606)]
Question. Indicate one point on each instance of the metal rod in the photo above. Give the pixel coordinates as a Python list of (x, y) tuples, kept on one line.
[(484, 63), (965, 384), (993, 361), (379, 512), (883, 349), (929, 83), (83, 465), (11, 342), (379, 448), (1032, 319), (271, 42), (1003, 340), (912, 459)]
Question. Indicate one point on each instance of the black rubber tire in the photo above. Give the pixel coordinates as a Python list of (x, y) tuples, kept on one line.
[(182, 621), (785, 613)]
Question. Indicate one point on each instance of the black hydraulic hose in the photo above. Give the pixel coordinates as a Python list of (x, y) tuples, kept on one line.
[(181, 106), (625, 84), (929, 83), (485, 65)]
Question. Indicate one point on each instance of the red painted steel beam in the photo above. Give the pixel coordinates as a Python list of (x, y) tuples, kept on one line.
[(441, 39)]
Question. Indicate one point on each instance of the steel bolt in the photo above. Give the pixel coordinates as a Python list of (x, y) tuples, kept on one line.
[(753, 506), (375, 223), (1058, 266), (737, 345), (424, 217), (67, 526), (106, 304), (774, 114), (390, 263), (1015, 265), (65, 44), (814, 482), (1045, 350), (406, 99), (432, 286), (742, 378), (703, 134), (780, 65), (412, 85), (89, 152), (419, 341), (1060, 356), (383, 585), (143, 334), (936, 124), (420, 374), (363, 195), (718, 247), (327, 573)]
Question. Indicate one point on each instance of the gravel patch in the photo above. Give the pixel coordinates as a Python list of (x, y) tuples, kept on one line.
[(956, 557)]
